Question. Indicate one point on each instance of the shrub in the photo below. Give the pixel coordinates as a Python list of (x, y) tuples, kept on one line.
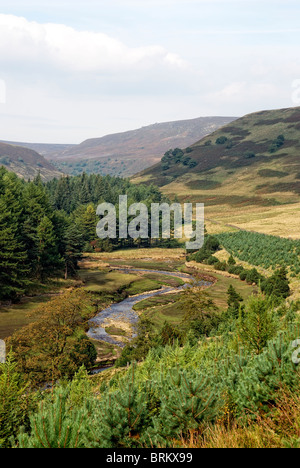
[(16, 402), (249, 155), (55, 425), (221, 140)]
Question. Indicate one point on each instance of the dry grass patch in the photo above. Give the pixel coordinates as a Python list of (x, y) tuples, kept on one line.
[(152, 253), (92, 263)]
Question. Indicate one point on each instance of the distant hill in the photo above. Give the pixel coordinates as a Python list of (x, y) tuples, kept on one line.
[(242, 169), (26, 163), (44, 149), (124, 154)]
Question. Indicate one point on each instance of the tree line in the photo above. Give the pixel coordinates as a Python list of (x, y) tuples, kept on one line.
[(44, 228)]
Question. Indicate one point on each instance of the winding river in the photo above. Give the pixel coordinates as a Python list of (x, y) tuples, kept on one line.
[(123, 311)]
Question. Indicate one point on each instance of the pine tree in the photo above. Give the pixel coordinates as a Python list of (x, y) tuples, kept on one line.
[(89, 222), (80, 389), (119, 419), (49, 260), (187, 400), (63, 195), (277, 285), (74, 243), (15, 401), (231, 261), (55, 425), (169, 335), (84, 194), (266, 375), (35, 207), (200, 312), (13, 199), (257, 324), (36, 202), (12, 258), (234, 300)]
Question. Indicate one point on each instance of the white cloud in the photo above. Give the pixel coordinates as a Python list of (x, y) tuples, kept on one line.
[(79, 51), (66, 84), (238, 95)]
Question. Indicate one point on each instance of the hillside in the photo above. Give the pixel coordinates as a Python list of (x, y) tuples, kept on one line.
[(124, 154), (247, 173), (26, 163), (44, 149)]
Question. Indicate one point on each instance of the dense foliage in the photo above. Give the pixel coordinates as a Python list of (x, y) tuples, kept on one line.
[(175, 393), (227, 368), (68, 193), (178, 156), (45, 228), (32, 238), (54, 345)]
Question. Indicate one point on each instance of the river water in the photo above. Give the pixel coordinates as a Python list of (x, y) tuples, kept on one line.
[(123, 311)]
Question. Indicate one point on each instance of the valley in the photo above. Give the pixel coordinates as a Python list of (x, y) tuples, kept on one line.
[(124, 154), (149, 280), (131, 325), (150, 227)]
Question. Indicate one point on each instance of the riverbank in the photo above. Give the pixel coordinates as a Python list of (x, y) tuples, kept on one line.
[(149, 285), (124, 316)]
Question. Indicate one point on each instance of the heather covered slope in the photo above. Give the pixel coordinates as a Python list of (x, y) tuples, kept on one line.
[(245, 173), (26, 163), (124, 154)]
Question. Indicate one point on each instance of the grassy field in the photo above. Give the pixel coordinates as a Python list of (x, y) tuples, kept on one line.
[(154, 254), (115, 331), (171, 313), (17, 316), (152, 302), (218, 292), (148, 283), (150, 259), (98, 281), (280, 221)]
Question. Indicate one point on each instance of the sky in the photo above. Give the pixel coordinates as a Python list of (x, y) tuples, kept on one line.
[(73, 70)]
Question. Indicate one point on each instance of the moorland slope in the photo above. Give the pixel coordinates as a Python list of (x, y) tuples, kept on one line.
[(247, 173), (26, 163)]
